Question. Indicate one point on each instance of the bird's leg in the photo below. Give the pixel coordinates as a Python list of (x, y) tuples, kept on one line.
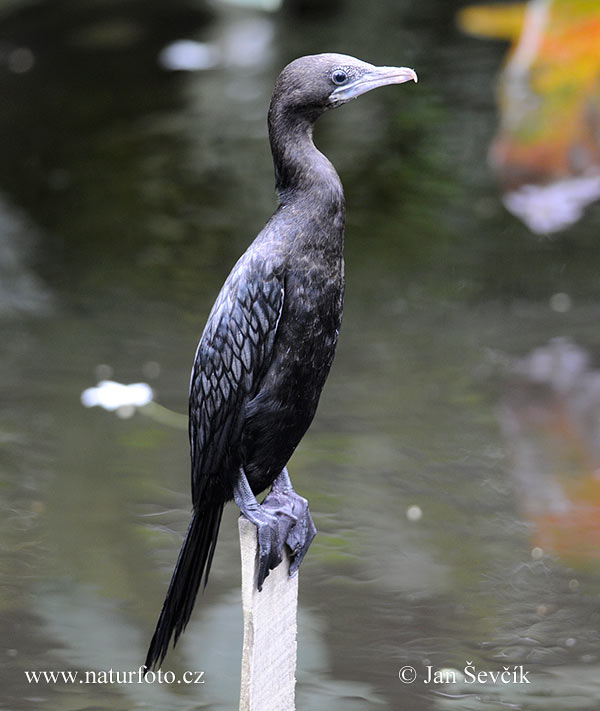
[(273, 527), (284, 500)]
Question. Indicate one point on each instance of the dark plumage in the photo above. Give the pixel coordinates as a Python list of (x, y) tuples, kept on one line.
[(269, 341)]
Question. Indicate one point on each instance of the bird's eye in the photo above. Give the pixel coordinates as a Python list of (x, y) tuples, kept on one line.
[(339, 76)]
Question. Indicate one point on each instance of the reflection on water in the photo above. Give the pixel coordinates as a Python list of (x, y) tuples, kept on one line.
[(551, 417), (547, 150), (446, 534), (21, 290)]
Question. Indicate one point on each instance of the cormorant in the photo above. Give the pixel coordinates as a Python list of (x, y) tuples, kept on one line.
[(269, 341)]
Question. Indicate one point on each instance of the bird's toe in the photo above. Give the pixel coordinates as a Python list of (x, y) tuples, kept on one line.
[(272, 534), (299, 539)]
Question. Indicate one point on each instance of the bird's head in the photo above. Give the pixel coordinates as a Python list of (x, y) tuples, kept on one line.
[(310, 85)]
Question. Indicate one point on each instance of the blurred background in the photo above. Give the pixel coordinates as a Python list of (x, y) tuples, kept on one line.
[(453, 469)]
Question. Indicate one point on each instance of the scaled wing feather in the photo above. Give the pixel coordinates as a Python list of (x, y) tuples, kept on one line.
[(233, 354)]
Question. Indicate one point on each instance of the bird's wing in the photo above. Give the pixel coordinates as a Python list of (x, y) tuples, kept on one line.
[(233, 354)]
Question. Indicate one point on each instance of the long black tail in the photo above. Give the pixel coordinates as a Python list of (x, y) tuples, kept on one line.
[(193, 562)]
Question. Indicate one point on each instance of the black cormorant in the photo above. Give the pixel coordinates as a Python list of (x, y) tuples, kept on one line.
[(269, 341)]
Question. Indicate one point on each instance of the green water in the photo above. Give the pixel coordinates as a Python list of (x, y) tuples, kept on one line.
[(126, 194)]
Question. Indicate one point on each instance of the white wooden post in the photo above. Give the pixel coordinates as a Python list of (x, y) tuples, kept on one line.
[(269, 648)]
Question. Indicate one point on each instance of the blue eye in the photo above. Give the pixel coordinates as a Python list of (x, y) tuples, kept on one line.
[(339, 76)]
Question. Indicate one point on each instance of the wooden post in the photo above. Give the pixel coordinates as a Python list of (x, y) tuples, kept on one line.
[(269, 648)]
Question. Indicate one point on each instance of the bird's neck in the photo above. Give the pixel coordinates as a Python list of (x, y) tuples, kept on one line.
[(301, 170)]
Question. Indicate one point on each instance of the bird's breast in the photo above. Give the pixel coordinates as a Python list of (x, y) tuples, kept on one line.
[(308, 331), (307, 334)]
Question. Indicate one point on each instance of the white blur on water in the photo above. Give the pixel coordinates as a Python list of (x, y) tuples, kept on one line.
[(113, 396), (553, 207), (189, 56)]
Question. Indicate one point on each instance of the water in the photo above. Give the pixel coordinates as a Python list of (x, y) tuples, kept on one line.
[(453, 482)]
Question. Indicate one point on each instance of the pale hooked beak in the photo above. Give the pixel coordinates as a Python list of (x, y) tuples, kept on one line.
[(372, 79)]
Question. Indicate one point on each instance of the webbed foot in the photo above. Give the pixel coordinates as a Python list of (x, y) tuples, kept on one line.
[(282, 518), (285, 500)]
